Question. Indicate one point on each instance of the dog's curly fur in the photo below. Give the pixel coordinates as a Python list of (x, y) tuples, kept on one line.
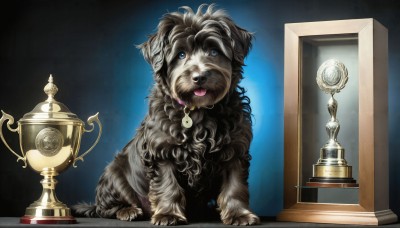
[(168, 172)]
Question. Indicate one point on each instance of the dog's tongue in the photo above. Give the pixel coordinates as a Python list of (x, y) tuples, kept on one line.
[(200, 92)]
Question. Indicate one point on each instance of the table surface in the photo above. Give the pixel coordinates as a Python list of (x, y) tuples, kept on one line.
[(100, 222)]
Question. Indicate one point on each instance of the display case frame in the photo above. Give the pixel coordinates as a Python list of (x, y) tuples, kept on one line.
[(373, 167)]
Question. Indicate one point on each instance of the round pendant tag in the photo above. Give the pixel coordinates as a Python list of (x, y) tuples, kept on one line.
[(187, 121)]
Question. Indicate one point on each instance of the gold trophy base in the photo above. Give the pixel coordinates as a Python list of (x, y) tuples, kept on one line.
[(36, 214), (47, 220), (334, 176), (48, 209)]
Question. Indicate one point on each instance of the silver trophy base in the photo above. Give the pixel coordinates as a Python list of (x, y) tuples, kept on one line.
[(332, 176)]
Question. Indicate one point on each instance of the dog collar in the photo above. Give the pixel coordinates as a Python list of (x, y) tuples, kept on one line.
[(181, 102)]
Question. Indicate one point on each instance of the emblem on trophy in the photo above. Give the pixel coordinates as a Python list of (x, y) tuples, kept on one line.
[(49, 138), (332, 168)]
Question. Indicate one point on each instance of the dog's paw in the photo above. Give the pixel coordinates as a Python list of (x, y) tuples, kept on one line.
[(168, 220), (245, 219), (129, 213)]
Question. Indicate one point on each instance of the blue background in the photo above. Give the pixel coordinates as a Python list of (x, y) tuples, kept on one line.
[(89, 47)]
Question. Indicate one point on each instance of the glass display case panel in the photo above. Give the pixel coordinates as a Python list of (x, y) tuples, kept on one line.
[(314, 113)]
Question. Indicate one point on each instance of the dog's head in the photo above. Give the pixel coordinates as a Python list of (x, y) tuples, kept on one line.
[(197, 57)]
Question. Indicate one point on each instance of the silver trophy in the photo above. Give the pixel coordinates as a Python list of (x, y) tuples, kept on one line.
[(332, 167)]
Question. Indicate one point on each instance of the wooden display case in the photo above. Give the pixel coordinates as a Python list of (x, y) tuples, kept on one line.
[(362, 45)]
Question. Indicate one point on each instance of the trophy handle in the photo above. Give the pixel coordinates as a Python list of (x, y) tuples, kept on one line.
[(91, 119), (10, 121)]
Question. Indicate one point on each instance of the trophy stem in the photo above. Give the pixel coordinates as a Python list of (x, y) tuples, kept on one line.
[(48, 209)]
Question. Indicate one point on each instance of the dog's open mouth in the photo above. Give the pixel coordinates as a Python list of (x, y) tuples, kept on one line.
[(200, 92)]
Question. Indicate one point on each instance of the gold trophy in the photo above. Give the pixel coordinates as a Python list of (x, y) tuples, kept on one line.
[(331, 169), (49, 138)]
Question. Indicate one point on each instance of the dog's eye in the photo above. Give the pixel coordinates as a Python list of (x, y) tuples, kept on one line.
[(182, 55), (213, 52)]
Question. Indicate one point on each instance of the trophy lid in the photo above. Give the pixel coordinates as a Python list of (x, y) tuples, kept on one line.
[(50, 110)]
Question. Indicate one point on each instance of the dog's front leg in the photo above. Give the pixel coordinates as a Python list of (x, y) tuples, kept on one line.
[(233, 200), (166, 196)]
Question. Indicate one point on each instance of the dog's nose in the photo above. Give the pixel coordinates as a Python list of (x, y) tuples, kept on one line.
[(200, 78)]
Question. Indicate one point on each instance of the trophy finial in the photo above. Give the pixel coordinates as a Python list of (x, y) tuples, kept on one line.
[(50, 89)]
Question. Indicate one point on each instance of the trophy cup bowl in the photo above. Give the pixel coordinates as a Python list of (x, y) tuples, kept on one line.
[(49, 138)]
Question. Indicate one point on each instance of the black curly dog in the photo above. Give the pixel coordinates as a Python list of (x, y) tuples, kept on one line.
[(190, 155)]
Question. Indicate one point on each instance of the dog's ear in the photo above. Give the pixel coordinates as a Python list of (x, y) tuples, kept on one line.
[(152, 51), (241, 42)]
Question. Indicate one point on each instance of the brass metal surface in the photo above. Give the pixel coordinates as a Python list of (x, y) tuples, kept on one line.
[(331, 171)]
